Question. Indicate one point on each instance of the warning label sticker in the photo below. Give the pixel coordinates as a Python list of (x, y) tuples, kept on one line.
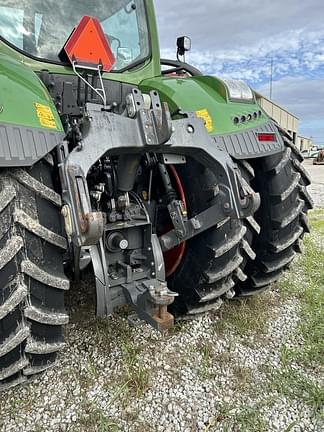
[(204, 114), (45, 116)]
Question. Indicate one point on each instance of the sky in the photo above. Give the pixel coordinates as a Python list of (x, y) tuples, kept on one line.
[(238, 38)]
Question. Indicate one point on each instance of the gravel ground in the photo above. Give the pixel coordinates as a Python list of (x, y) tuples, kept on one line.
[(216, 373), (195, 376), (317, 186)]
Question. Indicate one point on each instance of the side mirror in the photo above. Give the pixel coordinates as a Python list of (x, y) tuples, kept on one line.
[(184, 45)]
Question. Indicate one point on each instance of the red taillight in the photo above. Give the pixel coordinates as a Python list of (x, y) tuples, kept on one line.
[(267, 137), (88, 45)]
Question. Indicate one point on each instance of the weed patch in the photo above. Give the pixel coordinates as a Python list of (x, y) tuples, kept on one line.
[(247, 316), (93, 419), (239, 419), (135, 375), (295, 385)]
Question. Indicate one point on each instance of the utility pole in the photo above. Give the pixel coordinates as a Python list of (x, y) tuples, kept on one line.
[(271, 77)]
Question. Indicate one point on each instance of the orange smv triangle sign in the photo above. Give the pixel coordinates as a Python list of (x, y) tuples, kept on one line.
[(88, 45)]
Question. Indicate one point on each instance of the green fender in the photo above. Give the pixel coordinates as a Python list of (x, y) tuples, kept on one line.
[(30, 126), (20, 92), (207, 96)]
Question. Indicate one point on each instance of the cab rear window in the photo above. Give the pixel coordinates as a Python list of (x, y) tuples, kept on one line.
[(40, 28)]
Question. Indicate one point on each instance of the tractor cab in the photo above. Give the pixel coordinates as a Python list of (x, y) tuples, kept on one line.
[(39, 29)]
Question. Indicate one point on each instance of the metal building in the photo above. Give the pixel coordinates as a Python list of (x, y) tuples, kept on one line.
[(286, 119), (304, 143)]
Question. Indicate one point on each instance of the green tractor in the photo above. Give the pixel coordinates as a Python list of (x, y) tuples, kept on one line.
[(175, 189)]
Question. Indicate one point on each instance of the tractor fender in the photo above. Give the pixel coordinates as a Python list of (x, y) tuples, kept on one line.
[(207, 97), (30, 126)]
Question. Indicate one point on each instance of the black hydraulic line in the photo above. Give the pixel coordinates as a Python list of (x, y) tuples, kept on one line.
[(170, 192), (178, 66)]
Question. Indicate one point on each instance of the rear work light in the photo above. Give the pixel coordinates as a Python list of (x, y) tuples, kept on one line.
[(267, 137)]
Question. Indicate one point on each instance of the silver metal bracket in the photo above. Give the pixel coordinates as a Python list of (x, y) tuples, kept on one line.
[(155, 124), (178, 216), (101, 92)]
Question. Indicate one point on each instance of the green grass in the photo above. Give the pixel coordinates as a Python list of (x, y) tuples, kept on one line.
[(93, 419), (205, 363), (179, 327), (310, 293), (297, 386), (135, 376), (238, 419), (247, 316), (287, 355), (305, 282)]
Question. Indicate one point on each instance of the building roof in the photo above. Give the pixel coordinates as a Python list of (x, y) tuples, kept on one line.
[(305, 138)]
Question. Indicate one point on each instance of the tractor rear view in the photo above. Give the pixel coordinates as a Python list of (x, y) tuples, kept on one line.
[(175, 189)]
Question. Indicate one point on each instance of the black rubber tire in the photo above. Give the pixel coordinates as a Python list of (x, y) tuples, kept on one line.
[(211, 265), (281, 181), (32, 281)]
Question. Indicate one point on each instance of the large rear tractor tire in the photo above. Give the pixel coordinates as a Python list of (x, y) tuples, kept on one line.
[(32, 282), (211, 265), (281, 181)]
